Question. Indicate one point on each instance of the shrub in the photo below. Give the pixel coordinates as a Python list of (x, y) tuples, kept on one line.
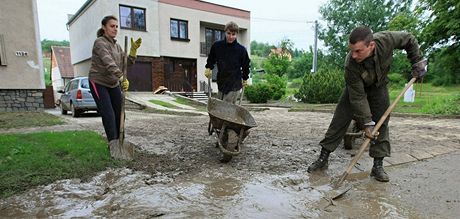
[(396, 80), (323, 87), (258, 93), (277, 85)]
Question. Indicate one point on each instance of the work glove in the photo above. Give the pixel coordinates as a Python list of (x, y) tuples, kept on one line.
[(124, 85), (207, 72), (368, 129), (419, 69), (134, 46), (245, 83)]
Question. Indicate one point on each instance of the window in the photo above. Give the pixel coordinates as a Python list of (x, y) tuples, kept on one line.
[(132, 18), (211, 36), (84, 83), (179, 29), (2, 51)]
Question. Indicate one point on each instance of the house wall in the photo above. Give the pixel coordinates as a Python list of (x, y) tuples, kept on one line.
[(22, 77), (199, 16), (82, 31)]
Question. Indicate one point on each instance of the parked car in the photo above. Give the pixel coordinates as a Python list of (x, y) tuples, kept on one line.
[(76, 97)]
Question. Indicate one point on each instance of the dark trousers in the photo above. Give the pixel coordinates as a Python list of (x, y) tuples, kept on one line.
[(108, 101), (379, 101)]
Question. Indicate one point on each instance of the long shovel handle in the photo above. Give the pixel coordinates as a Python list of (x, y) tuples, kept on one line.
[(376, 128), (123, 95)]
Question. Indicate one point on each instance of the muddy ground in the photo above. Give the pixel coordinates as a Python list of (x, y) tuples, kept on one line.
[(177, 173)]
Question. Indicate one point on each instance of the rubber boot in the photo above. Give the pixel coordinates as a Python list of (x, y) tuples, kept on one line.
[(321, 163), (378, 172)]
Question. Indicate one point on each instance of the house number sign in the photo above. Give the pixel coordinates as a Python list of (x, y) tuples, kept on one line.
[(22, 53)]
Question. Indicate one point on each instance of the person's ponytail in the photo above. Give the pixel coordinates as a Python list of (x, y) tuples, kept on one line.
[(100, 32)]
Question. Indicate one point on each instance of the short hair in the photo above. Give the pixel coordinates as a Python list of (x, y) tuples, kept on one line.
[(361, 33), (232, 27)]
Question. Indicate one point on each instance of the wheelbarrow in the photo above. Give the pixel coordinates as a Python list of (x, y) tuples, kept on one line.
[(226, 118)]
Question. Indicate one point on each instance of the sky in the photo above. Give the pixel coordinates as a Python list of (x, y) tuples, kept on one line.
[(271, 20)]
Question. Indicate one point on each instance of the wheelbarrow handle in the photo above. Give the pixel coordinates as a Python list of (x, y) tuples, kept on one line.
[(241, 96)]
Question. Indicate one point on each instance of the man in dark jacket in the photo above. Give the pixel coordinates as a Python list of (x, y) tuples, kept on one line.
[(365, 97), (232, 64)]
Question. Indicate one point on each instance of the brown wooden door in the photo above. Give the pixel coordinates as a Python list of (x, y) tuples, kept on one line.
[(140, 76)]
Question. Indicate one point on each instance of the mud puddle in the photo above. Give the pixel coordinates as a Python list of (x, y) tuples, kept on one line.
[(132, 194)]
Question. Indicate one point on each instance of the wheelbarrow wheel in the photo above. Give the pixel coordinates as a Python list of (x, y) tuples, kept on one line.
[(226, 158)]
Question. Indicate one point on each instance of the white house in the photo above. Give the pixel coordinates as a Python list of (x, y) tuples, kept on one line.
[(61, 68), (176, 37), (21, 69)]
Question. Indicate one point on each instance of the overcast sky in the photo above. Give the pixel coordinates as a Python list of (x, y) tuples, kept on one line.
[(271, 20)]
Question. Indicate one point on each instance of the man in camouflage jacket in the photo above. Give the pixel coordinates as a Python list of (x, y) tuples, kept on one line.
[(365, 96)]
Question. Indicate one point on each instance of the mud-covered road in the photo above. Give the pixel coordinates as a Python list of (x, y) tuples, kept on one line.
[(177, 173)]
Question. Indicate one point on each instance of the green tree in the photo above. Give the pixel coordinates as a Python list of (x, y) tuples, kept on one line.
[(46, 44), (343, 15), (260, 49), (300, 65), (441, 40)]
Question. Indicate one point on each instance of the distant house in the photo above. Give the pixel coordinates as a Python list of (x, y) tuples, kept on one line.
[(281, 52), (61, 68), (22, 78), (176, 38)]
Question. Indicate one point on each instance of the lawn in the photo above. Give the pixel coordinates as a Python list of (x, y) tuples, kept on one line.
[(28, 119), (433, 100), (164, 104), (29, 160), (197, 106)]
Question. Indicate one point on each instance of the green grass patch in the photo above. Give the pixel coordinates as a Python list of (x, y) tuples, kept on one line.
[(29, 160), (164, 104), (170, 112), (197, 106), (433, 100), (28, 119)]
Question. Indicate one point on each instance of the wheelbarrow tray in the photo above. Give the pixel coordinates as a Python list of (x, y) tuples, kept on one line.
[(235, 116)]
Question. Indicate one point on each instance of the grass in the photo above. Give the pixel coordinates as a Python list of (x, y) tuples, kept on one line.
[(29, 160), (433, 100), (28, 119), (170, 112), (164, 104), (47, 70), (197, 106), (437, 101)]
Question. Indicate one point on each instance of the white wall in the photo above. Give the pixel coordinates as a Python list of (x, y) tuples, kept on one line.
[(19, 27)]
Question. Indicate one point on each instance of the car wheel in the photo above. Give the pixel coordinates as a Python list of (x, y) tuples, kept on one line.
[(75, 112), (63, 111)]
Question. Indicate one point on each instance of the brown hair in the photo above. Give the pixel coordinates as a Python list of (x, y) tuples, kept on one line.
[(232, 27), (361, 33), (104, 21)]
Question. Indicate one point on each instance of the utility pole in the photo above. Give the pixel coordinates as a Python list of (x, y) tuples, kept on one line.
[(315, 49)]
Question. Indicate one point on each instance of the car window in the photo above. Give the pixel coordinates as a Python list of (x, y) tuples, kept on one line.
[(84, 83), (67, 87), (74, 85)]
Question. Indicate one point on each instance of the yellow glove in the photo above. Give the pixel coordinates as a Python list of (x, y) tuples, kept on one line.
[(134, 46), (245, 83), (207, 72), (124, 85)]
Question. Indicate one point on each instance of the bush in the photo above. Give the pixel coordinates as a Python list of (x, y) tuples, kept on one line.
[(323, 87), (277, 85), (258, 93), (396, 80)]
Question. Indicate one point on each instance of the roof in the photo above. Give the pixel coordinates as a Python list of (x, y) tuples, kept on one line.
[(62, 56)]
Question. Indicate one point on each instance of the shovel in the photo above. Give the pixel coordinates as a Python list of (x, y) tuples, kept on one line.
[(126, 150)]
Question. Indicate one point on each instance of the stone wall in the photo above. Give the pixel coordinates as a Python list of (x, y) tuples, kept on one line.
[(21, 100)]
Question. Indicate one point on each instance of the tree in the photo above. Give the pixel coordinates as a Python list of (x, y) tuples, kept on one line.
[(440, 38), (46, 44), (343, 15)]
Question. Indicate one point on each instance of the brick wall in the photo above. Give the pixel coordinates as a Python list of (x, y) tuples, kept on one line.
[(21, 100)]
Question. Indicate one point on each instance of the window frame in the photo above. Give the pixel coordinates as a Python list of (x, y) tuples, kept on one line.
[(2, 51), (131, 16), (179, 38), (208, 45)]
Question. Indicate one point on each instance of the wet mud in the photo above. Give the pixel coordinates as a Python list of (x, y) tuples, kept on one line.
[(177, 174)]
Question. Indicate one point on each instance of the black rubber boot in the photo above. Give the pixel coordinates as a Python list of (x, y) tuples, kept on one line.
[(321, 163), (378, 172)]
